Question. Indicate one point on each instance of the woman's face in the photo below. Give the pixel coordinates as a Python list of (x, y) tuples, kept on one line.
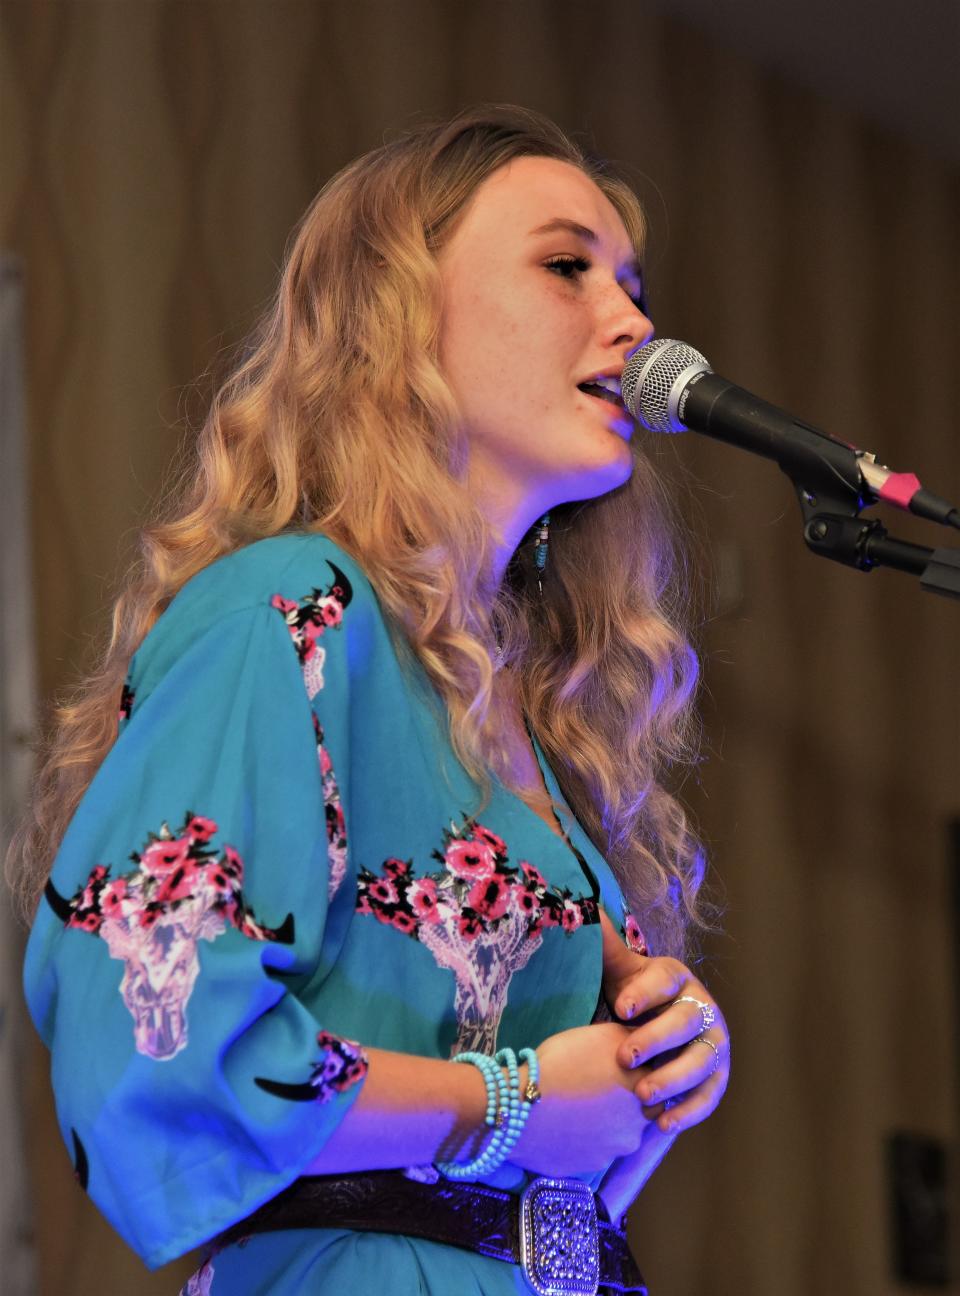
[(540, 288)]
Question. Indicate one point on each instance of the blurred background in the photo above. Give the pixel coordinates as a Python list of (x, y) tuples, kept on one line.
[(801, 168)]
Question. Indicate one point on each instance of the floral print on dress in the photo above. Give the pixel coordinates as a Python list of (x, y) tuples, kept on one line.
[(181, 891), (480, 917), (200, 1283), (127, 696), (342, 1063), (308, 620), (633, 937)]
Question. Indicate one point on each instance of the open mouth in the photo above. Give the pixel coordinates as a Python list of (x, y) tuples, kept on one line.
[(610, 394)]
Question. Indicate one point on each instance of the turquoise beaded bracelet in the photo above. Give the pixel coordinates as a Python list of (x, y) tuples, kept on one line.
[(506, 1112)]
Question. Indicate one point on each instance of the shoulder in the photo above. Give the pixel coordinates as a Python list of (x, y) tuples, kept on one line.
[(286, 583), (293, 565)]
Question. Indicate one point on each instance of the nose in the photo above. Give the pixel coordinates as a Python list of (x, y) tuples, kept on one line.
[(624, 323)]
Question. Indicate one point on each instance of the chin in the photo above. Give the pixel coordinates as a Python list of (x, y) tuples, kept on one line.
[(592, 480)]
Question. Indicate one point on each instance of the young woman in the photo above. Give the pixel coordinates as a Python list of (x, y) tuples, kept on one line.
[(399, 677)]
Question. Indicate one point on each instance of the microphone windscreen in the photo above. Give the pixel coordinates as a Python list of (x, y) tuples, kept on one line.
[(653, 380)]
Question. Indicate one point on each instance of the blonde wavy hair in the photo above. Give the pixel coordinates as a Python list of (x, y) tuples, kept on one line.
[(337, 418)]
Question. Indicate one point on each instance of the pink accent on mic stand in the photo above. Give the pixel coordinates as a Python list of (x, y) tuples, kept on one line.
[(900, 488)]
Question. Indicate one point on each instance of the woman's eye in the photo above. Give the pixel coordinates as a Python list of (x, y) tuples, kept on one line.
[(568, 267)]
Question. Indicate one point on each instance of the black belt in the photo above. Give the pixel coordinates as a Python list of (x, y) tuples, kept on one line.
[(556, 1230)]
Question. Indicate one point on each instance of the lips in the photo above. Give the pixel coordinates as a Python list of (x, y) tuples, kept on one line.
[(603, 393)]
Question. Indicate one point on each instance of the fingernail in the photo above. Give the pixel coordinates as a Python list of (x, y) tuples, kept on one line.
[(636, 1058), (630, 1010)]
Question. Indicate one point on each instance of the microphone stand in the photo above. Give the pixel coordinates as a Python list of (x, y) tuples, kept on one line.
[(834, 529)]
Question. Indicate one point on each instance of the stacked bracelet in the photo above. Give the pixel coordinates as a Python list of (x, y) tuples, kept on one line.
[(506, 1111)]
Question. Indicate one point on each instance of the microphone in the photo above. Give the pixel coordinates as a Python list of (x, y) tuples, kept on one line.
[(669, 387)]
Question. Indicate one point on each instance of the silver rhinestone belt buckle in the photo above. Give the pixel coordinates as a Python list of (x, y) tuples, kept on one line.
[(559, 1245)]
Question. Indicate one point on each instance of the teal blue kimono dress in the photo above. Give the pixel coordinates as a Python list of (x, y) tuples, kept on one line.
[(275, 866)]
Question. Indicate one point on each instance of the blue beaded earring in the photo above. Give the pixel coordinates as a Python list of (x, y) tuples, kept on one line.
[(541, 545)]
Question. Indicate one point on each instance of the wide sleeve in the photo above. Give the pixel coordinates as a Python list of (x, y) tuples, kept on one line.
[(186, 906)]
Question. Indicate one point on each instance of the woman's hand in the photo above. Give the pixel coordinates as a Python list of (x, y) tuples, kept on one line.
[(645, 990), (680, 1079), (589, 1113)]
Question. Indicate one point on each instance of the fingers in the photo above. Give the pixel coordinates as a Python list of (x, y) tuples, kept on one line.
[(685, 1090), (685, 1067), (656, 982), (674, 1024), (685, 1109)]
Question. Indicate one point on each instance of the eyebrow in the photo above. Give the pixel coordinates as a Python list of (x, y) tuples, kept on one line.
[(560, 223), (588, 235)]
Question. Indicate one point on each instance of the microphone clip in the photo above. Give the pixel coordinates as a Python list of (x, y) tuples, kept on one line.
[(834, 529)]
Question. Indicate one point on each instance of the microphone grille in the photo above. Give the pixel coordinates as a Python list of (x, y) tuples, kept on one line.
[(653, 380)]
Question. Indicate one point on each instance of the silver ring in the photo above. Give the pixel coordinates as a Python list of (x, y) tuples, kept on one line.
[(702, 1039), (707, 1014)]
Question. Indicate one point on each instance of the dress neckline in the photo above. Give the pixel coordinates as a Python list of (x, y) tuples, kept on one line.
[(553, 788)]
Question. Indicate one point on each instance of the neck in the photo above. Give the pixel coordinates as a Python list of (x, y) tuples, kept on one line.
[(511, 510)]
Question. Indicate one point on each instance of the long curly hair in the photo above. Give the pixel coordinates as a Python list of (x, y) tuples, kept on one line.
[(336, 417)]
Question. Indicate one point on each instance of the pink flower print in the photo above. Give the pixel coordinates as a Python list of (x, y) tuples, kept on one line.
[(331, 611), (326, 764), (332, 1067), (470, 860), (164, 856), (384, 891), (490, 897), (422, 898), (496, 844), (153, 918), (178, 885), (311, 633), (404, 922), (633, 936), (91, 891), (479, 917), (201, 829), (532, 874), (284, 605), (336, 824), (344, 1064), (113, 897), (469, 926), (526, 900), (218, 879), (571, 916), (355, 1071)]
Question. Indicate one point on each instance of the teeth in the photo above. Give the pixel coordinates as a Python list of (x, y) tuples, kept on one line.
[(609, 384)]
